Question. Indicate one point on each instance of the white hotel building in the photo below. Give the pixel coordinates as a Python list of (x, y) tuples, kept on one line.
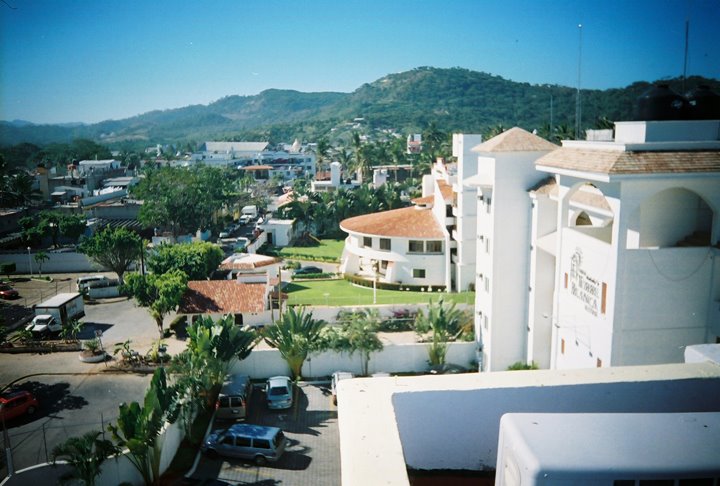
[(626, 247), (613, 260)]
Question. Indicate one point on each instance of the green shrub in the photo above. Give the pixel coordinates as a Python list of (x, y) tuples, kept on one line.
[(521, 365)]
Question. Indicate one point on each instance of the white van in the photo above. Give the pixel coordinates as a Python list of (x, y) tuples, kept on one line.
[(234, 398), (84, 282)]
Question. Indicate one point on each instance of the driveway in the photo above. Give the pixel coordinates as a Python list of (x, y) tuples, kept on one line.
[(69, 407), (313, 457)]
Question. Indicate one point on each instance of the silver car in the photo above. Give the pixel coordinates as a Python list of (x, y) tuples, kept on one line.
[(278, 392)]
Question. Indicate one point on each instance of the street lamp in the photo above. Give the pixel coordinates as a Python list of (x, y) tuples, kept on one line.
[(29, 260), (375, 270)]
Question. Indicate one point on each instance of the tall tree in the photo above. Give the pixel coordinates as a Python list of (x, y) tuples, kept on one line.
[(295, 336), (181, 199), (159, 293), (113, 248), (357, 334), (198, 259)]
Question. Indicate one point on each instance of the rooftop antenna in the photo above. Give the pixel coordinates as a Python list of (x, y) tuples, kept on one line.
[(578, 108), (687, 37)]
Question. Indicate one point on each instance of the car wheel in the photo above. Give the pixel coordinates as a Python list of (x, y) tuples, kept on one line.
[(260, 460), (30, 410)]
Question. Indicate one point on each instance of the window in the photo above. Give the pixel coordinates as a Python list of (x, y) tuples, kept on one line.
[(415, 246), (385, 244), (383, 264), (367, 242), (433, 246), (262, 444), (228, 440), (487, 284), (562, 346), (603, 304), (418, 273), (242, 441)]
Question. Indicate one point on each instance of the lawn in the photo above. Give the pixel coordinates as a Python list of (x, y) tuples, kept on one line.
[(326, 251), (343, 293)]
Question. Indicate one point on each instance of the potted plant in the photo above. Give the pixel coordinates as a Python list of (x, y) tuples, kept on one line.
[(93, 351)]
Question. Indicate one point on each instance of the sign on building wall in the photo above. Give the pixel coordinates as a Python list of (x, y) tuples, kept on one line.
[(587, 289)]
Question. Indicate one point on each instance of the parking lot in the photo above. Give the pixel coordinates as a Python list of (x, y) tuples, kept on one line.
[(313, 457)]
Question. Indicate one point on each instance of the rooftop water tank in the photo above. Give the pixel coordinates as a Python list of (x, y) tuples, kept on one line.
[(703, 104), (661, 103)]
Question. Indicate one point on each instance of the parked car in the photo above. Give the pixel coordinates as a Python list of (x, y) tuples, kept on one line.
[(7, 292), (307, 271), (224, 234), (84, 282), (278, 392), (246, 441), (44, 324), (16, 404), (336, 377)]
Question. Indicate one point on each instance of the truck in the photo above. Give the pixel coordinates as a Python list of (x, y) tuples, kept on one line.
[(63, 307), (248, 213)]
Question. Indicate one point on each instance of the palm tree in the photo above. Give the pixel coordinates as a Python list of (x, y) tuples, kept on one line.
[(85, 454), (446, 323), (295, 336), (359, 334), (40, 258), (321, 151)]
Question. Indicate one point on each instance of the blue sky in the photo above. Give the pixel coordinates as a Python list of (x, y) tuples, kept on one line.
[(93, 60)]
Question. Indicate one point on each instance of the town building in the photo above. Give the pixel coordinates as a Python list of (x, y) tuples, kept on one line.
[(431, 244), (258, 157)]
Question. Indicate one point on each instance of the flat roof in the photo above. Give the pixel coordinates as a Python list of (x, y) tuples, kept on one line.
[(612, 445), (371, 448), (59, 299)]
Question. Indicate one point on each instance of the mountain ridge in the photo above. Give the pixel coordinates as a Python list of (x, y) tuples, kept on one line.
[(455, 99)]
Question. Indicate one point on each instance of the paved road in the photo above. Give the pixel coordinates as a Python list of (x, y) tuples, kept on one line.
[(70, 405), (313, 457)]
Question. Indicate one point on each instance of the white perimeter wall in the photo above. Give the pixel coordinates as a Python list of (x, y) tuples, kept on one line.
[(69, 262), (394, 358)]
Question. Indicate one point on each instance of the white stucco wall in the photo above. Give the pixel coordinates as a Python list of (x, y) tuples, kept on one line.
[(452, 422)]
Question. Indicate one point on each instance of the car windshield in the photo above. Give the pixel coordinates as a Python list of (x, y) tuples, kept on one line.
[(42, 320), (278, 390), (5, 287), (278, 439)]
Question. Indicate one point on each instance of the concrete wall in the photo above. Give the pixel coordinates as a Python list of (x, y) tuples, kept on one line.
[(263, 363), (65, 262)]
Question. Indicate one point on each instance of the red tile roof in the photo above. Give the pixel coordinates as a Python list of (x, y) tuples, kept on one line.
[(222, 297), (247, 261), (445, 189), (412, 222), (424, 200)]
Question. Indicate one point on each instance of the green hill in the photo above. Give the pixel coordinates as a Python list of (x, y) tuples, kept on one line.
[(454, 99)]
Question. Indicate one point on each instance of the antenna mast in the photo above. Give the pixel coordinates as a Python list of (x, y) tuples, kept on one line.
[(687, 41), (578, 107)]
